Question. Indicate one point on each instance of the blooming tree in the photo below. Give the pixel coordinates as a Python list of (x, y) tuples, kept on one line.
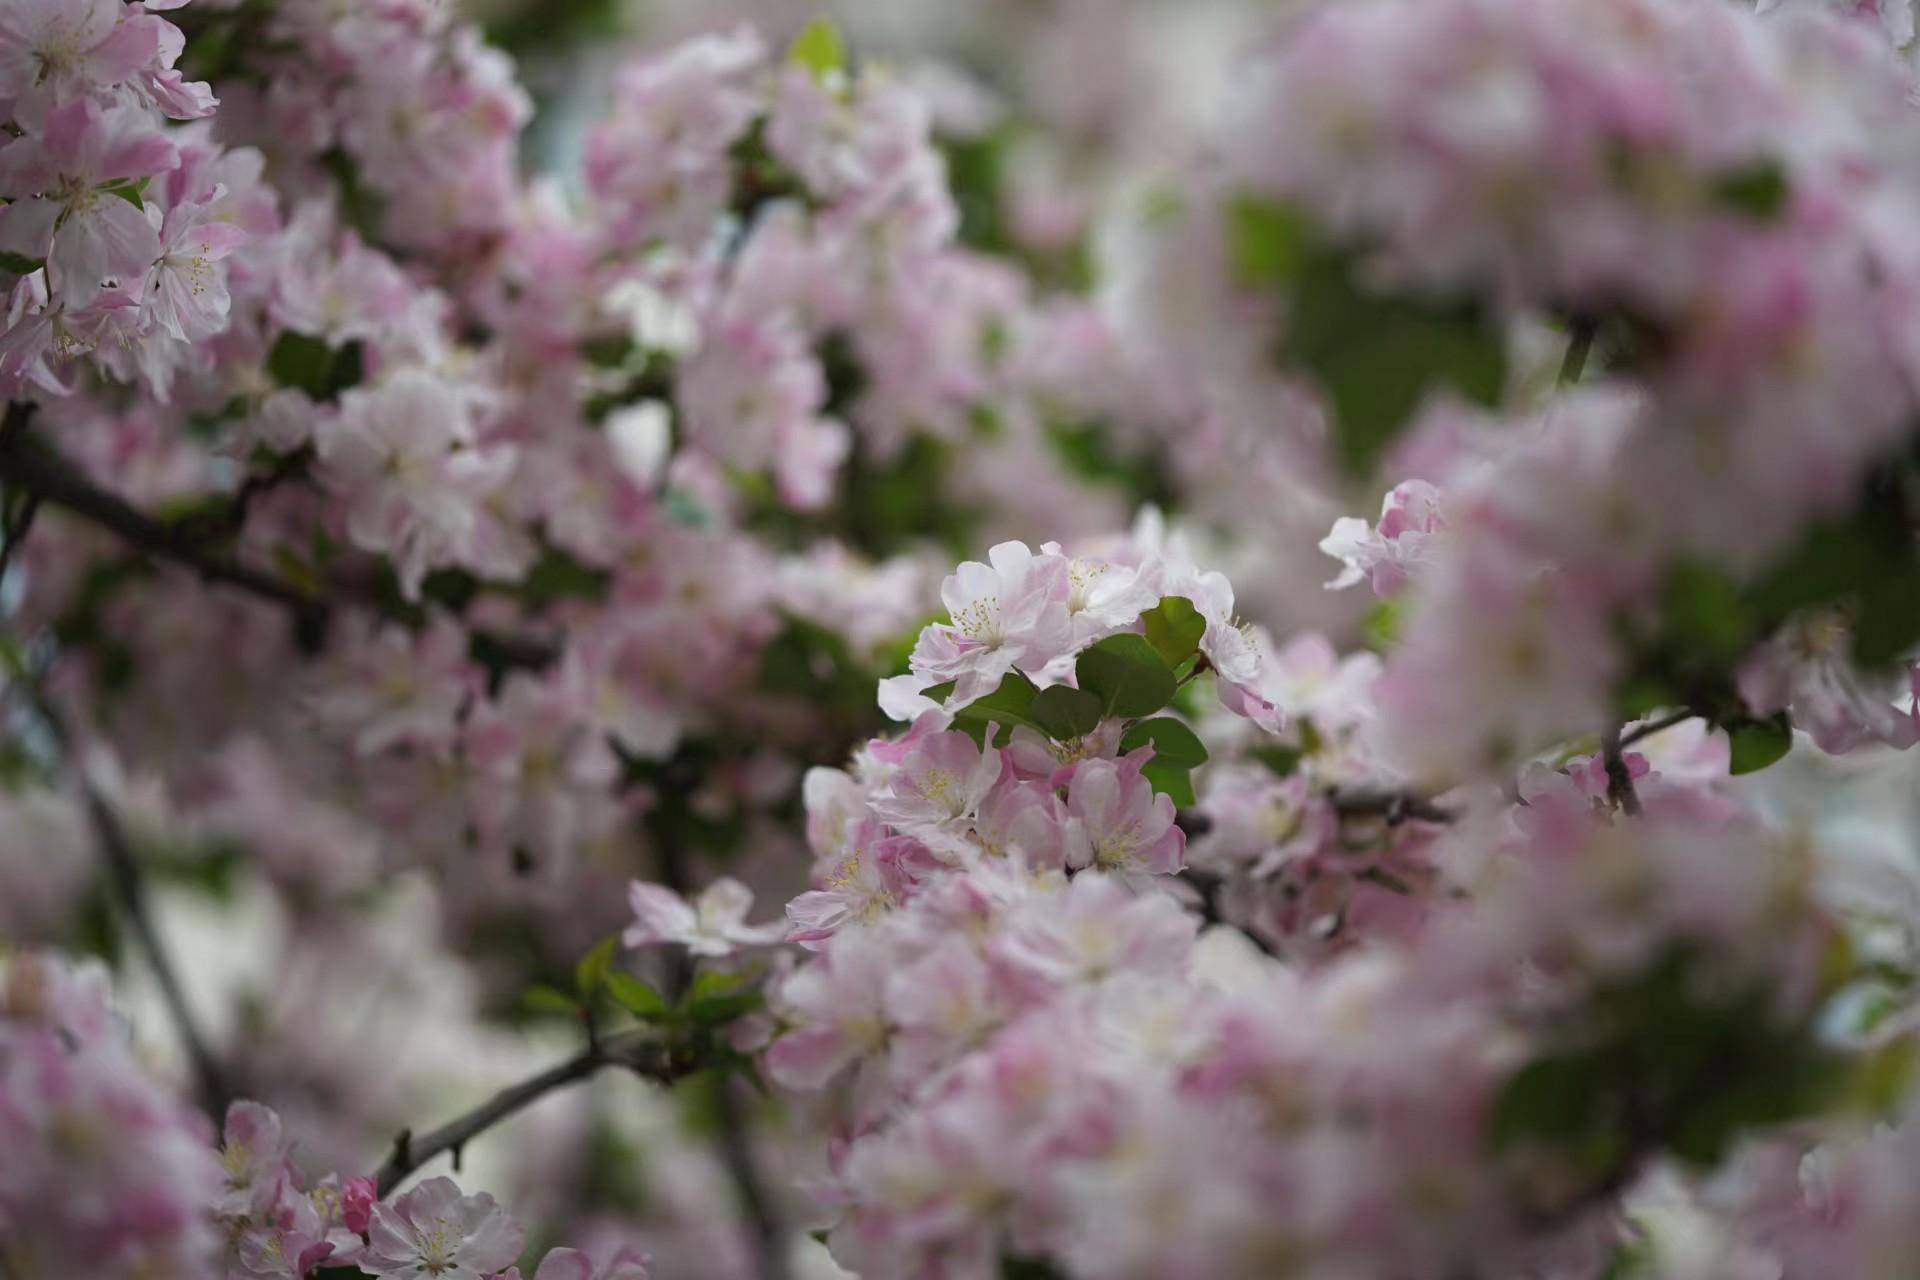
[(792, 654)]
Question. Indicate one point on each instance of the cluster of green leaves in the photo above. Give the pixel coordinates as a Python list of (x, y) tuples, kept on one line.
[(1130, 677), (1864, 565), (1375, 355), (710, 1000), (1664, 1061)]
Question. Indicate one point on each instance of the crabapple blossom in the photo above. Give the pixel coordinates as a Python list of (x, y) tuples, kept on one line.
[(1116, 822), (713, 924), (433, 1230), (436, 503), (1008, 614)]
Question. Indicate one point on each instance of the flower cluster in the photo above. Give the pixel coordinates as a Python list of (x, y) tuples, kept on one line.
[(452, 529), (278, 1231), (116, 229), (1029, 1051), (1458, 169), (107, 1173)]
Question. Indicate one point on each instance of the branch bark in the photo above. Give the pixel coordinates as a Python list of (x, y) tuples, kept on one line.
[(1394, 806), (643, 1053), (128, 885), (42, 474)]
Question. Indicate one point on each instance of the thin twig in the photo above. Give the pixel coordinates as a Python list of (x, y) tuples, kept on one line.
[(129, 889), (1661, 725), (1579, 346), (1619, 777), (16, 530), (1208, 885), (1394, 806), (641, 1052)]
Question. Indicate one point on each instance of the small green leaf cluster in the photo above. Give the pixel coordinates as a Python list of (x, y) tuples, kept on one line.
[(1129, 677)]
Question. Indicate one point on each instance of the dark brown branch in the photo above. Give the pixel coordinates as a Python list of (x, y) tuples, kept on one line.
[(1208, 885), (1661, 725), (129, 890), (36, 470), (1579, 346), (43, 474), (641, 1052), (1395, 807), (1619, 776)]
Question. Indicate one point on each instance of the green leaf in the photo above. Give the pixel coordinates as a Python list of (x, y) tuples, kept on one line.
[(714, 982), (1880, 1078), (1759, 190), (1174, 628), (1171, 780), (558, 576), (1381, 626), (819, 48), (1376, 356), (1758, 743), (634, 995), (1063, 712), (129, 189), (1127, 675), (592, 970), (940, 692), (19, 264), (308, 364), (1283, 761), (1887, 622), (541, 998), (684, 509), (717, 997), (1010, 704), (1266, 241), (1172, 742), (1706, 614)]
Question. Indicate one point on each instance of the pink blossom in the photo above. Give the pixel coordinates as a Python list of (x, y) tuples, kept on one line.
[(434, 1231), (938, 786), (1387, 554), (1009, 614), (839, 1006), (1118, 822), (714, 924), (92, 240)]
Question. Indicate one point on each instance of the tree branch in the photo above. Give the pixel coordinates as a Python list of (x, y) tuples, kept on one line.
[(37, 470), (43, 474), (1208, 886), (1579, 345), (1619, 777), (129, 890), (1394, 806), (641, 1052), (1661, 725)]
